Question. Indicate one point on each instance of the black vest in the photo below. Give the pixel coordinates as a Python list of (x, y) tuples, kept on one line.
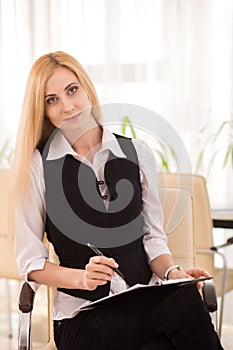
[(74, 206)]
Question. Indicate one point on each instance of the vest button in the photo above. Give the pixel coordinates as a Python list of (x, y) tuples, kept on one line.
[(105, 196)]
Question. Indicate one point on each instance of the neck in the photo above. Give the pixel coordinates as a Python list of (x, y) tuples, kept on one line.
[(85, 138), (89, 143)]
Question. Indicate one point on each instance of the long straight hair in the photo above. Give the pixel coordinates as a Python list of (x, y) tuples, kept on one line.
[(34, 127)]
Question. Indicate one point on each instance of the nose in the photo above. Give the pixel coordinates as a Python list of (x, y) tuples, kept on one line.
[(67, 106)]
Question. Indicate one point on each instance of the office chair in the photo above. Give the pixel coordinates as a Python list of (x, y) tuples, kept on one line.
[(203, 233), (180, 240), (7, 270)]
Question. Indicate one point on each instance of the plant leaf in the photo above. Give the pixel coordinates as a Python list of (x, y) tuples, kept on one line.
[(127, 122), (232, 157), (218, 132), (163, 161), (199, 160), (3, 151), (212, 140), (228, 152), (211, 162)]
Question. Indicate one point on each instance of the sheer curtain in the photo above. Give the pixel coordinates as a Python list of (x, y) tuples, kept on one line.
[(19, 44), (173, 57)]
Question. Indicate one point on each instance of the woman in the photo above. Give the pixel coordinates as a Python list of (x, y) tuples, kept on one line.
[(67, 168)]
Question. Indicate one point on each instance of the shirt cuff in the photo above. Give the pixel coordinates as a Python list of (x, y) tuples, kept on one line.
[(37, 264)]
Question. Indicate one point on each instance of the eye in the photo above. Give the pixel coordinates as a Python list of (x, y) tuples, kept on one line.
[(51, 100), (72, 90)]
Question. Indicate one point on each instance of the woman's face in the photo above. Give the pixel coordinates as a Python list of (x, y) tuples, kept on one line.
[(65, 98)]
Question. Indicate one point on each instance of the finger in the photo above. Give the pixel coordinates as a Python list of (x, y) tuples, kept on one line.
[(98, 275), (205, 273), (98, 264), (200, 285), (197, 272), (100, 268), (93, 284), (104, 260)]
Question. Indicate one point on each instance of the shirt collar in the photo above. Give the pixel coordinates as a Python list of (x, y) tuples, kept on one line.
[(60, 147)]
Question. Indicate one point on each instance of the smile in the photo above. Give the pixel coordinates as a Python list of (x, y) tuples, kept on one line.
[(73, 118)]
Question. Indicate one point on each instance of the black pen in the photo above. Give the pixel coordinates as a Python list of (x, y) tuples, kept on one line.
[(98, 252)]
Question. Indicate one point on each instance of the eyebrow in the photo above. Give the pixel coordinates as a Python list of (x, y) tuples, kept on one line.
[(66, 88)]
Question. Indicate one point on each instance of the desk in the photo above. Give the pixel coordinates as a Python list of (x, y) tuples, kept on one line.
[(222, 218)]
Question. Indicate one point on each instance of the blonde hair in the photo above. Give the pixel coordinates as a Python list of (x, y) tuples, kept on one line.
[(34, 128)]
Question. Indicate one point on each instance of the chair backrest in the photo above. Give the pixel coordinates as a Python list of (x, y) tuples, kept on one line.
[(4, 189), (8, 267), (179, 228), (202, 221)]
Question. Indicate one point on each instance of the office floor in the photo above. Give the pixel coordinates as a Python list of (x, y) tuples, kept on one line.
[(39, 323)]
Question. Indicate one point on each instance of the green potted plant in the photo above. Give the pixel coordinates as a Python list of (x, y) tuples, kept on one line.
[(216, 145), (163, 154)]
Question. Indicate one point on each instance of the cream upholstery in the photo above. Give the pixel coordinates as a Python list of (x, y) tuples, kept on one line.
[(50, 346), (8, 268), (202, 222), (180, 233), (202, 228)]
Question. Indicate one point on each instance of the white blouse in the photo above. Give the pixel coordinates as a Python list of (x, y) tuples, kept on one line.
[(31, 253)]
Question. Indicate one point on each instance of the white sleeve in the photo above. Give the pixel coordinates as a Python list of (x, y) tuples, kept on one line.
[(155, 239), (31, 253)]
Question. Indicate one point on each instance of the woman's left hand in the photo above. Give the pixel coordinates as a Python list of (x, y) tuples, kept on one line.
[(193, 273), (197, 273)]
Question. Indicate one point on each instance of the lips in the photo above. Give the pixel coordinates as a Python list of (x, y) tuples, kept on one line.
[(73, 117)]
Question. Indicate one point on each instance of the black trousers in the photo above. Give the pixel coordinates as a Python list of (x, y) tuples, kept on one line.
[(163, 318)]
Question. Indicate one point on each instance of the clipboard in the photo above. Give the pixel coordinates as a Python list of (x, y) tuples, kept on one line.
[(160, 284), (183, 281)]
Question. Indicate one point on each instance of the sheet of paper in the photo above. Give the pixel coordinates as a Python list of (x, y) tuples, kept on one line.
[(180, 281)]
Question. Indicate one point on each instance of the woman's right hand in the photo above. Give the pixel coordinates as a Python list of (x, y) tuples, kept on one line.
[(98, 272)]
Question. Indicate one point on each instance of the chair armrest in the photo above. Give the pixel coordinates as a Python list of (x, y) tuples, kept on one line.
[(228, 242), (209, 296), (26, 300)]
